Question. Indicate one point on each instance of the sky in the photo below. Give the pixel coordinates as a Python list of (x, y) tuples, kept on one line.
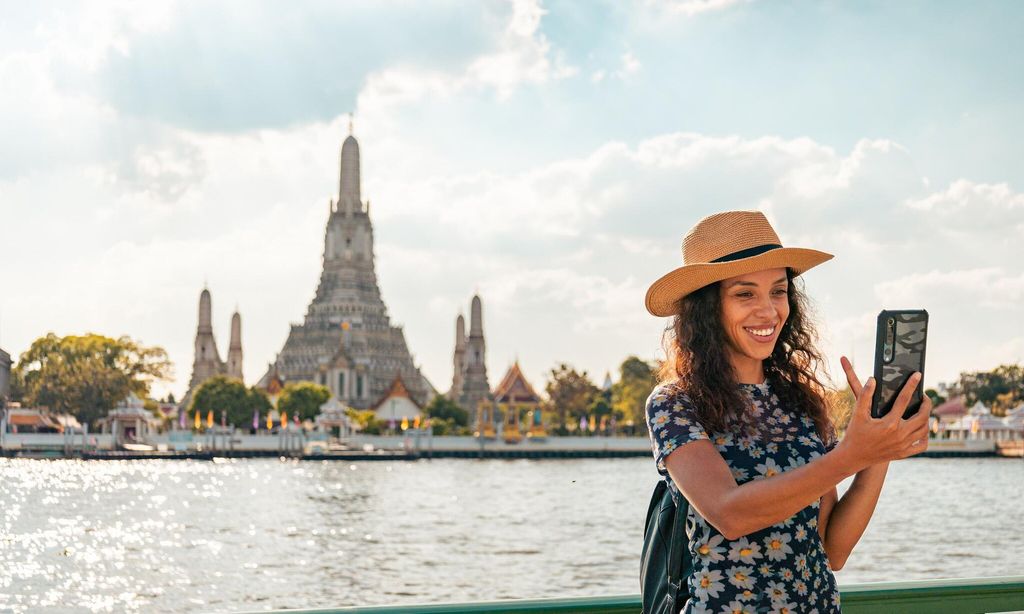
[(548, 155)]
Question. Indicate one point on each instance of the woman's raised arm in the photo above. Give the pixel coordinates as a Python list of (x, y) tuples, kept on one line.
[(704, 478)]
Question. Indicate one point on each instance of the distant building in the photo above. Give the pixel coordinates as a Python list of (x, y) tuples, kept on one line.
[(397, 403), (5, 376), (347, 341), (469, 378), (129, 421), (207, 363), (514, 396), (272, 383)]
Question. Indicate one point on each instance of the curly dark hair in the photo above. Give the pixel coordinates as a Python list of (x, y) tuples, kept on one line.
[(698, 364)]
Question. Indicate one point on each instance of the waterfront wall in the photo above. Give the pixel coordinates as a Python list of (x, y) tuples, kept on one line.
[(412, 443)]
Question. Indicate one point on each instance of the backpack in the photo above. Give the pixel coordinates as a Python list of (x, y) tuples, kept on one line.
[(665, 560)]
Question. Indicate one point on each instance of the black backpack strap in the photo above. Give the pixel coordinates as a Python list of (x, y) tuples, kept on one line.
[(679, 562)]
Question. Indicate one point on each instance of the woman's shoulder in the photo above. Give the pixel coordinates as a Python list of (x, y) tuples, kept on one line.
[(668, 396)]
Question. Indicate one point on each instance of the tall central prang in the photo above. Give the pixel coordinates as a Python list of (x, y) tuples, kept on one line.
[(347, 342)]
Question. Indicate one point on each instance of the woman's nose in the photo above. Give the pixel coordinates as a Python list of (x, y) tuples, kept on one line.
[(765, 309)]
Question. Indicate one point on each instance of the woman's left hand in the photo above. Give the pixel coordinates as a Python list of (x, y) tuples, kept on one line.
[(857, 388), (851, 378)]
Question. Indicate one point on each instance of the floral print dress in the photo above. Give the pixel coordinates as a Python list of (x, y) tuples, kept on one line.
[(781, 568)]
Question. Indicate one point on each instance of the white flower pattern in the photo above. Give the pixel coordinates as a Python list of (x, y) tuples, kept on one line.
[(770, 570)]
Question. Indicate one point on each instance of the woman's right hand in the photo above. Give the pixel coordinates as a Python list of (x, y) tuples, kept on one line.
[(871, 440)]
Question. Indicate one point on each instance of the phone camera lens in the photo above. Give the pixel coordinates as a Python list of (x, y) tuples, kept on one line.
[(892, 321)]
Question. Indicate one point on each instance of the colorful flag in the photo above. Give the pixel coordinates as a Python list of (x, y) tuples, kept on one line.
[(284, 420), (199, 421), (583, 423), (256, 420), (405, 423), (209, 419), (270, 422), (181, 418)]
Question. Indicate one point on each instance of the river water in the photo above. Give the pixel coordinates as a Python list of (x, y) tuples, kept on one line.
[(177, 536)]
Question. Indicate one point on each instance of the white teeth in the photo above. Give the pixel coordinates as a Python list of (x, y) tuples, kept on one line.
[(762, 332)]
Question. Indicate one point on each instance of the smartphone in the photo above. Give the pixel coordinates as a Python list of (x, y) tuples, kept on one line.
[(899, 351)]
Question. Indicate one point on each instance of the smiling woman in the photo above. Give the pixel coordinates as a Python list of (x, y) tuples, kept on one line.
[(740, 427)]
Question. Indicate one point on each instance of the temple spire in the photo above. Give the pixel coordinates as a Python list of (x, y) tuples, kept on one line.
[(205, 312), (349, 198), (234, 366)]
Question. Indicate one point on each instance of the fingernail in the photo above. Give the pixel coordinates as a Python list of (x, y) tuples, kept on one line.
[(916, 377)]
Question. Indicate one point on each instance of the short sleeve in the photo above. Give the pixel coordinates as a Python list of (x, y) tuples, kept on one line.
[(672, 422)]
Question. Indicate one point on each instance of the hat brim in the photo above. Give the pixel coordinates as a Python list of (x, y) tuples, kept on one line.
[(663, 294)]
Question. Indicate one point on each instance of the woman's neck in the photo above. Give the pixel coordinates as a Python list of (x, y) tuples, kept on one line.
[(746, 369)]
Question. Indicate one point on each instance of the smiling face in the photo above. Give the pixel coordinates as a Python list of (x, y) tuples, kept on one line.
[(754, 308)]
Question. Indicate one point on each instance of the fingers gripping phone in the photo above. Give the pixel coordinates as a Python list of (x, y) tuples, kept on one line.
[(899, 352)]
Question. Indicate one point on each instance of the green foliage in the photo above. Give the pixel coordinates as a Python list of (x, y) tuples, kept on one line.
[(365, 420), (937, 399), (225, 394), (87, 375), (441, 427), (571, 394), (629, 395), (303, 399), (1001, 388), (443, 408), (600, 406)]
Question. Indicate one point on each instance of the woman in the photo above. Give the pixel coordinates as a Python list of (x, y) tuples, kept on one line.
[(740, 426)]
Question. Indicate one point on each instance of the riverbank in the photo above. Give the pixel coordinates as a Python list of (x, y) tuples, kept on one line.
[(413, 445)]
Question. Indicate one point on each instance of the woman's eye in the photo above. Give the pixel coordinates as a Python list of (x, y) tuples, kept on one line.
[(745, 294), (780, 291)]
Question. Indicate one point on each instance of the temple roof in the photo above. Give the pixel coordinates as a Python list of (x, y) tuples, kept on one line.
[(952, 407), (397, 390), (515, 388)]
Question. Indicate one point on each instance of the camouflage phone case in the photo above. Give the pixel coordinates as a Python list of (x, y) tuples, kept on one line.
[(897, 357)]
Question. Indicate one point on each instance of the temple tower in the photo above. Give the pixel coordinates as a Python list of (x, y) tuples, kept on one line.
[(475, 387), (234, 366), (348, 303), (458, 359), (206, 362)]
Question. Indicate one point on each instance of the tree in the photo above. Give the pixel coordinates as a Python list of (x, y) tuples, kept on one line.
[(365, 419), (225, 394), (303, 399), (88, 375), (1001, 388), (570, 392), (937, 399), (443, 408), (629, 395)]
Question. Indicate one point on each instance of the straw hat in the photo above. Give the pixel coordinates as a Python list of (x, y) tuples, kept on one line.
[(725, 245)]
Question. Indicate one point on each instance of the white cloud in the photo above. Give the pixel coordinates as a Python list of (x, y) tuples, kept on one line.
[(967, 207), (523, 55), (690, 8), (630, 65), (114, 224)]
